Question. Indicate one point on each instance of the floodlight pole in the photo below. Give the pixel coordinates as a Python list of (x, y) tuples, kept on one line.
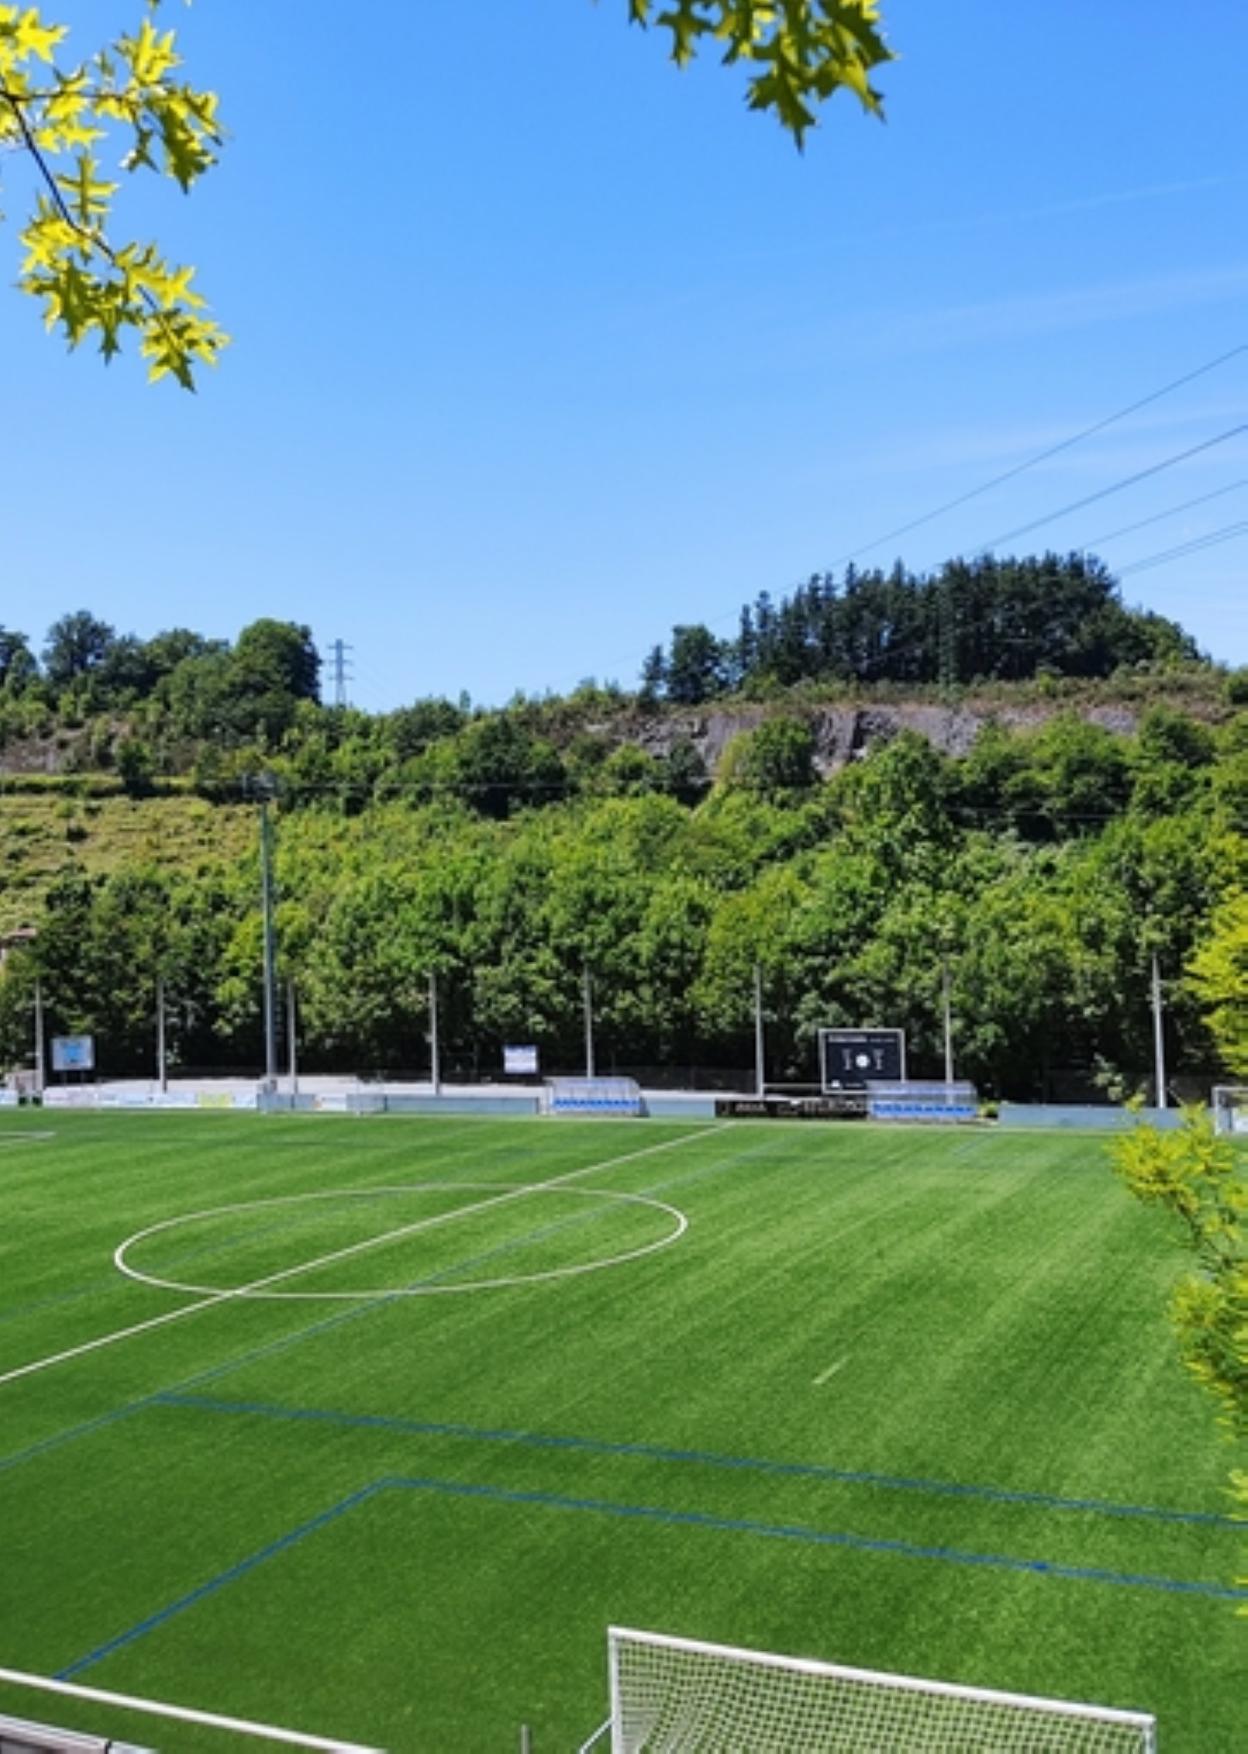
[(161, 1064), (1159, 1040), (760, 1068), (947, 1007), (587, 1000), (270, 958), (292, 1033), (39, 1053), (435, 1062)]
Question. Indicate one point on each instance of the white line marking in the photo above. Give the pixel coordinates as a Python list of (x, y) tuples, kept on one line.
[(427, 1289), (830, 1372), (183, 1714), (243, 1291)]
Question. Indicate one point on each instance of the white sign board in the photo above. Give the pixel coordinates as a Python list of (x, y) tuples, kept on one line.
[(520, 1060), (73, 1053)]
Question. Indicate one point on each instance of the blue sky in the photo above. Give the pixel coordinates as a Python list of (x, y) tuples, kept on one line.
[(541, 346)]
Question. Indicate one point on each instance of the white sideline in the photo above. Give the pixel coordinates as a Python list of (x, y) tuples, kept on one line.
[(244, 1291), (184, 1714)]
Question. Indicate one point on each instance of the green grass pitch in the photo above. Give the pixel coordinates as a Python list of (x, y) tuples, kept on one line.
[(901, 1399)]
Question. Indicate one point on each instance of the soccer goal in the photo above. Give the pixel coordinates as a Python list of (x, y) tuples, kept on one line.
[(593, 1096), (1230, 1108), (677, 1694)]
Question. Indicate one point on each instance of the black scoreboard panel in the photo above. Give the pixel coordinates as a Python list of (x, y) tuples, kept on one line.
[(850, 1059)]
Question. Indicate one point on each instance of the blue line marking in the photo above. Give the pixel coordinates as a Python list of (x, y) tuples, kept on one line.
[(703, 1458), (642, 1513), (143, 1627), (45, 1444), (105, 1282), (821, 1537)]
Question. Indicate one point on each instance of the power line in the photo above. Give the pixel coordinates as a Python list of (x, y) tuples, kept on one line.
[(1158, 517), (1043, 456), (1010, 474), (1116, 487), (1212, 540)]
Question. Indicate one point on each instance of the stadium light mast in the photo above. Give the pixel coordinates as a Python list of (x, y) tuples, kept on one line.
[(264, 792), (162, 1070), (946, 995), (1159, 1037), (292, 1036), (39, 1059), (587, 1000), (435, 1059), (760, 1045)]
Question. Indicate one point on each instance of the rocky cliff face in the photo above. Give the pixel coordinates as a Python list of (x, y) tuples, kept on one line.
[(844, 733)]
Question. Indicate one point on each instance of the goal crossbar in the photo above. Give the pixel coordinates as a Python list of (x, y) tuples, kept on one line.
[(670, 1693)]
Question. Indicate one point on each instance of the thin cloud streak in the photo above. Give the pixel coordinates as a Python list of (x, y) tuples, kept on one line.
[(1014, 317)]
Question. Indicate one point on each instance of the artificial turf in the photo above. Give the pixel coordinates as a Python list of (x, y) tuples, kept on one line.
[(901, 1399)]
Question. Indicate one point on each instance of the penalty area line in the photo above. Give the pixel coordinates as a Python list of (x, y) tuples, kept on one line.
[(242, 1292)]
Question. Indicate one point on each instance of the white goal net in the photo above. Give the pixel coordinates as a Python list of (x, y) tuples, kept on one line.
[(1230, 1108), (679, 1696)]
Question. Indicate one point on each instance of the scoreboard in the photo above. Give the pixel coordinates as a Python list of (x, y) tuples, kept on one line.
[(851, 1059)]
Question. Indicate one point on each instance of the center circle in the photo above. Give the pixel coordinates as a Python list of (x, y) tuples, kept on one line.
[(263, 1286)]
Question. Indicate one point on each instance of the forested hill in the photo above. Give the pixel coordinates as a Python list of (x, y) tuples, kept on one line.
[(1043, 838), (971, 621), (856, 661)]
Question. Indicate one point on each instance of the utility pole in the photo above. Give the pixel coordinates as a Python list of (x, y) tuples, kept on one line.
[(947, 1007), (435, 1062), (1159, 1040), (587, 1000), (39, 1059), (340, 648), (760, 1072), (270, 953)]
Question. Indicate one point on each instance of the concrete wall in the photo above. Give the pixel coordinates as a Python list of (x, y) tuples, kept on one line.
[(1085, 1117)]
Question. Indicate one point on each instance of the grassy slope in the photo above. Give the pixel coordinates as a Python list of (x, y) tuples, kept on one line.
[(990, 1310), (41, 834)]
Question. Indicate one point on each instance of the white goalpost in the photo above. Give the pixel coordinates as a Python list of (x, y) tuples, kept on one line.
[(681, 1696), (1230, 1108)]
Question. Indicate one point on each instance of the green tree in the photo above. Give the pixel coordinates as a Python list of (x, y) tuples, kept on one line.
[(695, 666), (76, 644), (1083, 773), (1194, 1176), (1218, 975), (134, 766), (277, 657), (125, 99), (804, 50), (777, 760), (18, 666)]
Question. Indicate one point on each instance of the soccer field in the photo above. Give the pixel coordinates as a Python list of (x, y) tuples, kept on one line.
[(901, 1399)]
